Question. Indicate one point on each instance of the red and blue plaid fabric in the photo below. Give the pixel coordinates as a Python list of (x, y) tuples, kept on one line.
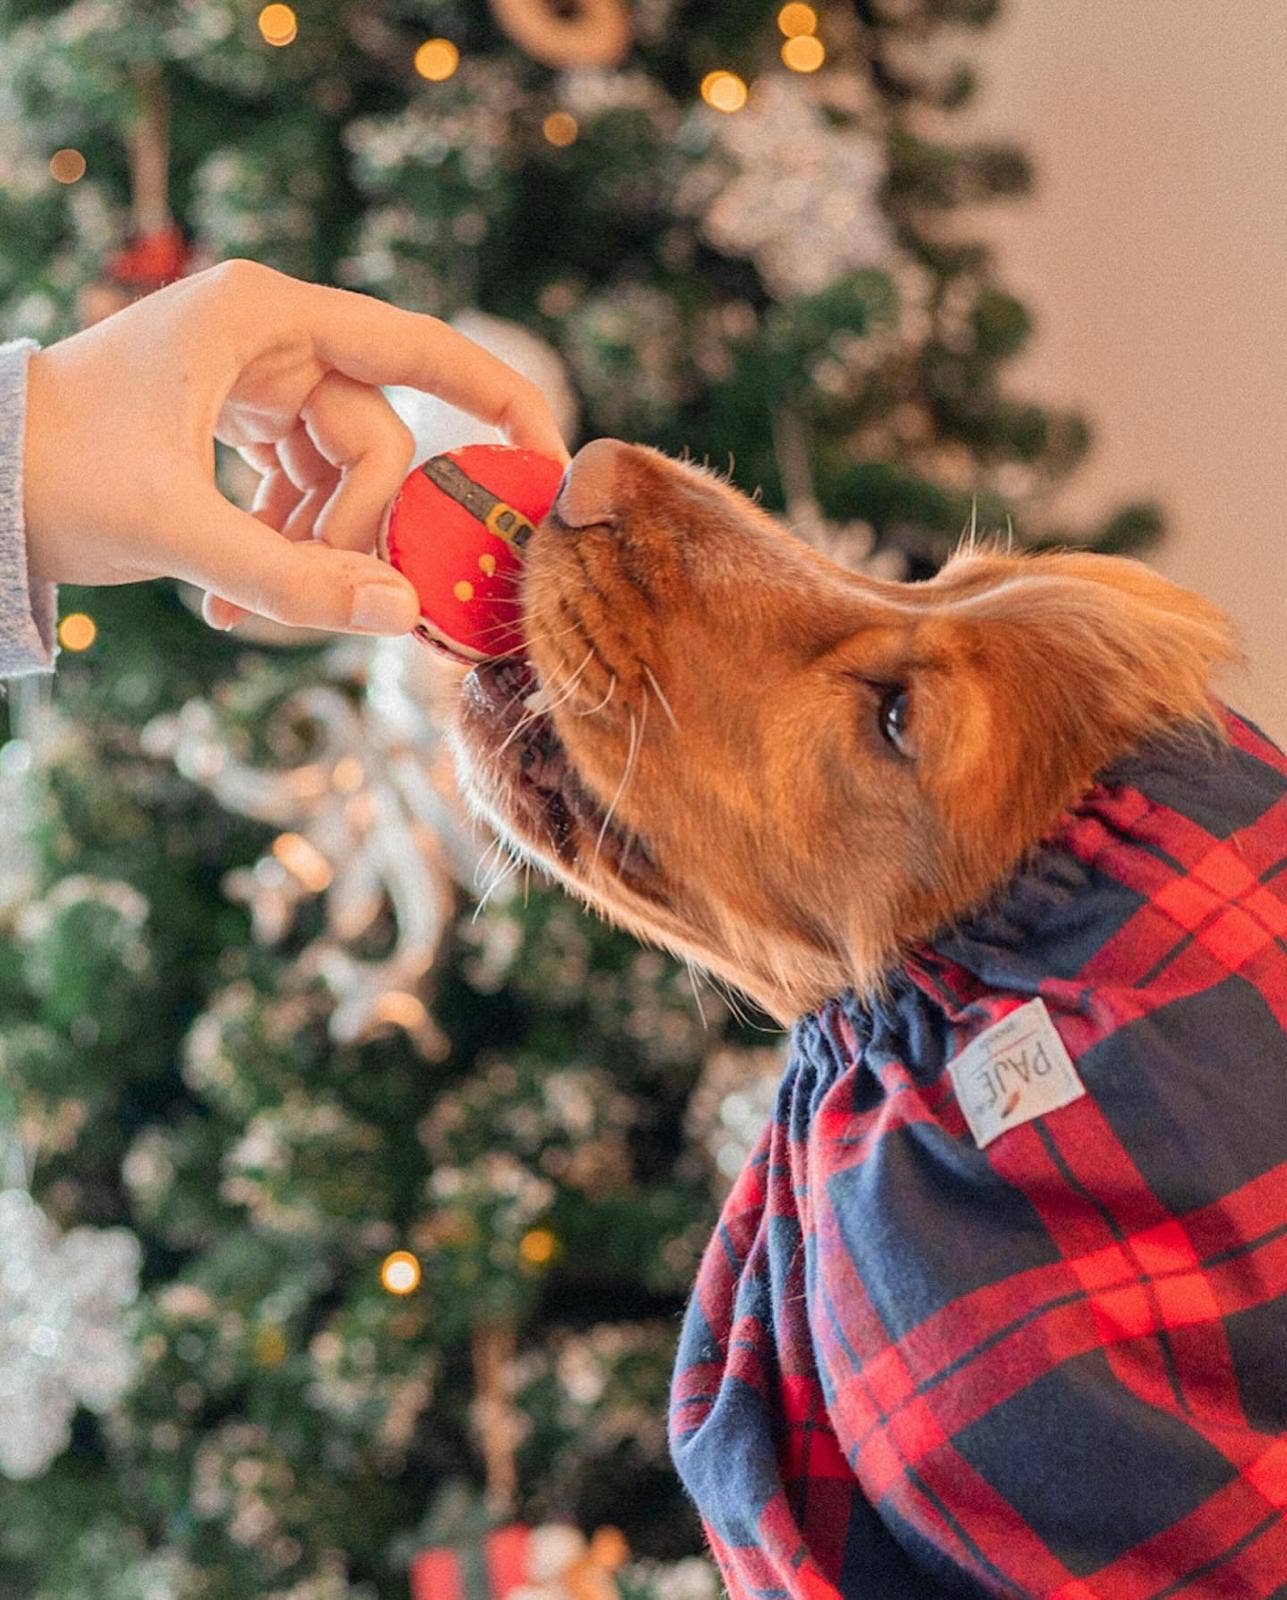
[(1055, 1367)]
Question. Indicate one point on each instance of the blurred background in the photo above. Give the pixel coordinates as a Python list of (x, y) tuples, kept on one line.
[(351, 1181)]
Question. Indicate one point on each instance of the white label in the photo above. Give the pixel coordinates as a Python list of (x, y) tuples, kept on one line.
[(1016, 1070)]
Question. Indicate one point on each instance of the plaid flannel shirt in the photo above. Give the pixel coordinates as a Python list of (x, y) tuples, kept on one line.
[(1056, 1366)]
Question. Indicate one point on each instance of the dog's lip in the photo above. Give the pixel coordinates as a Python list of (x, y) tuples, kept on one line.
[(534, 784)]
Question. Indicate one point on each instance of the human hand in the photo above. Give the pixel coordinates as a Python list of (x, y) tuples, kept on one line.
[(119, 452)]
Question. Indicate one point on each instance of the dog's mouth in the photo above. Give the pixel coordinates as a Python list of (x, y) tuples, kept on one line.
[(526, 779)]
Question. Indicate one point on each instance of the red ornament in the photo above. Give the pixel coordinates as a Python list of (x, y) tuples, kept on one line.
[(456, 530), (151, 260)]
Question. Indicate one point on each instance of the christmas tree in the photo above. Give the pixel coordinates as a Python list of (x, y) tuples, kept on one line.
[(350, 1182)]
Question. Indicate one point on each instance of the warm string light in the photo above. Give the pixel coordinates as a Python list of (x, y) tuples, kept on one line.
[(400, 1272), (802, 50), (538, 1247), (67, 166), (560, 128), (795, 19), (724, 91), (437, 59), (77, 631), (278, 25), (803, 53)]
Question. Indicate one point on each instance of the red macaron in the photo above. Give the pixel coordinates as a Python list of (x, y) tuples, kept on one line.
[(456, 530)]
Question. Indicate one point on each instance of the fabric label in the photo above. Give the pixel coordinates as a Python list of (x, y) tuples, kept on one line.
[(1015, 1070)]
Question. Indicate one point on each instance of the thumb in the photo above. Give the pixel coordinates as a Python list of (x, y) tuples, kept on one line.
[(247, 564)]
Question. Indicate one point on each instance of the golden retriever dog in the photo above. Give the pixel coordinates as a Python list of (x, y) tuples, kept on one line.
[(731, 716), (996, 1306)]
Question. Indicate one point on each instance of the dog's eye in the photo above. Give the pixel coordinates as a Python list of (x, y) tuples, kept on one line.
[(894, 718)]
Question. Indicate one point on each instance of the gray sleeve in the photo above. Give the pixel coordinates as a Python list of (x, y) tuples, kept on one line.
[(27, 608)]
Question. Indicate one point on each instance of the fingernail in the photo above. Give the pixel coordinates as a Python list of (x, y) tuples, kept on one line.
[(380, 608)]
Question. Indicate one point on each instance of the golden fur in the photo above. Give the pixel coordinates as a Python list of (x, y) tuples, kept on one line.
[(716, 687)]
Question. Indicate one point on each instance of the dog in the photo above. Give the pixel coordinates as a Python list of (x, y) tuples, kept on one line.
[(997, 1305)]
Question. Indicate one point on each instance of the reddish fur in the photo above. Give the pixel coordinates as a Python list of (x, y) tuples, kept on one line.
[(796, 852)]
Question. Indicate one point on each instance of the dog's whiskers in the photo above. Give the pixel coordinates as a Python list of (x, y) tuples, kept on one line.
[(697, 999), (504, 871), (564, 693), (665, 703), (632, 757), (601, 703)]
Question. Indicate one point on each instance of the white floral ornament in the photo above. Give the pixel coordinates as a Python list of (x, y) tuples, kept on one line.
[(804, 203), (372, 822), (63, 1335)]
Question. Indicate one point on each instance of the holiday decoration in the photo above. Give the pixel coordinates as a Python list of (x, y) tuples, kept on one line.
[(804, 204), (553, 1562), (442, 1574), (421, 1158), (583, 33), (157, 252), (456, 530), (369, 819), (63, 1340)]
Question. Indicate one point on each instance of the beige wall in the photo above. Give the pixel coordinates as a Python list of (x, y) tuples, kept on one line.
[(1154, 256)]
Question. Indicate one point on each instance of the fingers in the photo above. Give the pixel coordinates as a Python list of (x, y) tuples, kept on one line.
[(355, 430), (382, 344), (331, 477), (275, 499), (249, 567)]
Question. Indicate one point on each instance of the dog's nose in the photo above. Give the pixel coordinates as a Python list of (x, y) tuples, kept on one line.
[(589, 491)]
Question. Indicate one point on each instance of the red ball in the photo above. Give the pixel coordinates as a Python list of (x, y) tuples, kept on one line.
[(457, 530)]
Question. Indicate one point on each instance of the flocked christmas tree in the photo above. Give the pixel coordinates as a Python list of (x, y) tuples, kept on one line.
[(366, 1176)]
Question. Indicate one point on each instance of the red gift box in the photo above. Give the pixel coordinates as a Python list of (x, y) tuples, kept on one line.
[(490, 1573)]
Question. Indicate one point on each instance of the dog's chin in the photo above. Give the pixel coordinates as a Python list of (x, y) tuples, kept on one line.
[(518, 772)]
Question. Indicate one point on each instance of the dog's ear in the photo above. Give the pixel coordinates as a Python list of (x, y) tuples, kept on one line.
[(1071, 659)]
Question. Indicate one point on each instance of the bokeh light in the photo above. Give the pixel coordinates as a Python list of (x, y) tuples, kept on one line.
[(560, 128), (77, 631), (302, 858), (795, 19), (67, 166), (724, 91), (804, 53), (437, 59), (538, 1247), (278, 25), (400, 1272)]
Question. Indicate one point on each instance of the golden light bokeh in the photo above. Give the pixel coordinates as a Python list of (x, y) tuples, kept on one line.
[(77, 631), (278, 24), (560, 128), (804, 53), (400, 1272), (67, 166), (724, 91), (302, 858), (538, 1247), (795, 19), (437, 59)]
